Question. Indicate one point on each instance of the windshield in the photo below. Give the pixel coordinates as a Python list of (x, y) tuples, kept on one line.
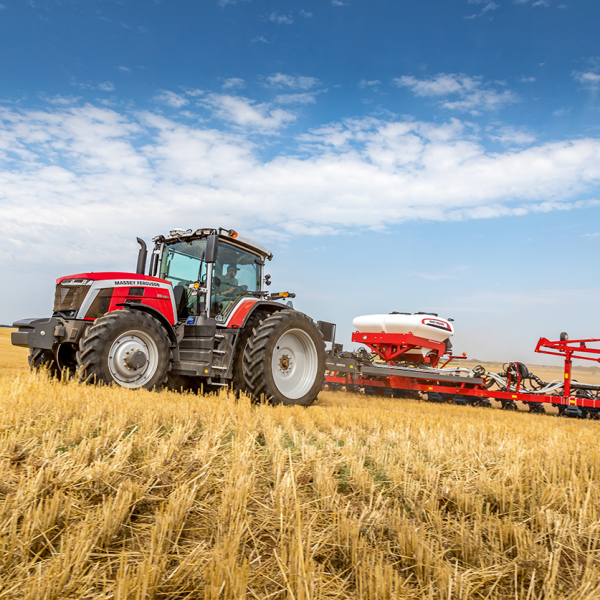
[(235, 274)]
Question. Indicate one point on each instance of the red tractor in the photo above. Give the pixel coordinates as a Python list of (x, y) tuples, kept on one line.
[(200, 319)]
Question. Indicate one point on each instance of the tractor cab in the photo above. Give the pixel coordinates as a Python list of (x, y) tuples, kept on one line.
[(237, 271)]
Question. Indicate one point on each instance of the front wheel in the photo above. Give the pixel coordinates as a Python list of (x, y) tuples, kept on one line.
[(43, 359), (284, 359), (126, 347)]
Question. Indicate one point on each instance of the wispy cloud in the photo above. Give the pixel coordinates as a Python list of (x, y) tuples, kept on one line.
[(337, 3), (561, 112), (513, 136), (3, 7), (234, 83), (473, 95), (262, 39), (61, 100), (527, 79), (248, 114), (124, 69), (303, 98), (280, 80), (280, 19), (306, 14), (171, 99), (374, 83), (487, 5), (589, 78), (105, 86), (590, 235)]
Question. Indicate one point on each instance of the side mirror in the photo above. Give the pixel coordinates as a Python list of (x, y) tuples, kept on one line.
[(211, 249)]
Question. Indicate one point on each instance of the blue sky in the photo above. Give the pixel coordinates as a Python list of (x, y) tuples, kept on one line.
[(439, 155)]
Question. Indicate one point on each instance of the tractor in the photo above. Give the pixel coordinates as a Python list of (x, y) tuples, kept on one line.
[(199, 320)]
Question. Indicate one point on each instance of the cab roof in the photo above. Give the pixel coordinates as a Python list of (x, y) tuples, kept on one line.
[(227, 235)]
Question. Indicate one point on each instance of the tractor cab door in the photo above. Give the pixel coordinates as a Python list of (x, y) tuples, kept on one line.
[(237, 273)]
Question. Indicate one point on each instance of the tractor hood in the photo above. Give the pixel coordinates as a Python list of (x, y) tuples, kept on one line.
[(122, 278)]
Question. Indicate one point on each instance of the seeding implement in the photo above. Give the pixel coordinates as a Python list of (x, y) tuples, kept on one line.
[(200, 319), (405, 355)]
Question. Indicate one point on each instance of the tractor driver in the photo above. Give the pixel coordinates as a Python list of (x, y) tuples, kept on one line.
[(229, 284)]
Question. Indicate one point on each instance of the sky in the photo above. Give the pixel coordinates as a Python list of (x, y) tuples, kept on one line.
[(441, 155)]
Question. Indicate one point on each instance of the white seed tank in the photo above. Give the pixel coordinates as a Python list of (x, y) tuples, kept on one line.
[(425, 326)]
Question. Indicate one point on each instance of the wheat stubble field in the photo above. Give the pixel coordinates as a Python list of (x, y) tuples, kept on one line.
[(106, 493)]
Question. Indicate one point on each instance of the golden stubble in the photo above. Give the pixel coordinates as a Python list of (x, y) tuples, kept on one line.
[(107, 493)]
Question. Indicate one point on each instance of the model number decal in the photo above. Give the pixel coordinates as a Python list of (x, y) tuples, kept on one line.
[(437, 324), (138, 283)]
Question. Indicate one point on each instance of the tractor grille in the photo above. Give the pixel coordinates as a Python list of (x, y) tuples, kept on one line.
[(70, 294)]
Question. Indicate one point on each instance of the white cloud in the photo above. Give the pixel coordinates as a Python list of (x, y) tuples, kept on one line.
[(306, 14), (561, 112), (527, 79), (247, 114), (279, 80), (61, 100), (115, 173), (513, 136), (280, 19), (171, 99), (124, 69), (106, 86), (590, 80), (473, 95), (234, 83), (337, 3), (487, 6), (590, 235), (363, 83), (194, 93), (305, 98), (3, 7), (262, 39)]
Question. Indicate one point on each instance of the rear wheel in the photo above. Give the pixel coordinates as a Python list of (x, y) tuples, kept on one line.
[(284, 359), (238, 381), (129, 348)]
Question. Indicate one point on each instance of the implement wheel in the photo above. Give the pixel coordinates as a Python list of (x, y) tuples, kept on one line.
[(284, 359), (126, 347)]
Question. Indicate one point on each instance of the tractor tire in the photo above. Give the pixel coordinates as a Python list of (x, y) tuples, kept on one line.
[(284, 359), (239, 381), (126, 347), (43, 359)]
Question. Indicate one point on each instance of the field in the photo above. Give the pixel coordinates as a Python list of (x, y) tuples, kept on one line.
[(106, 493)]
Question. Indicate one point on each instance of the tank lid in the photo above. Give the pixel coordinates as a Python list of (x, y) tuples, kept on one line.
[(399, 313), (427, 313)]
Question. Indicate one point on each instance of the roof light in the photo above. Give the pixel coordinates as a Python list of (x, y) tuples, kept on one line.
[(232, 233)]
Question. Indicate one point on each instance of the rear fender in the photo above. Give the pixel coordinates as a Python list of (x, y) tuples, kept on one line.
[(244, 311)]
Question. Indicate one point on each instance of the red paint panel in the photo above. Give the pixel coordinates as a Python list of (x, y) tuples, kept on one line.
[(239, 314), (112, 275)]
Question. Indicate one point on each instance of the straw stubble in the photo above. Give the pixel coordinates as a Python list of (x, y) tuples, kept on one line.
[(108, 493)]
